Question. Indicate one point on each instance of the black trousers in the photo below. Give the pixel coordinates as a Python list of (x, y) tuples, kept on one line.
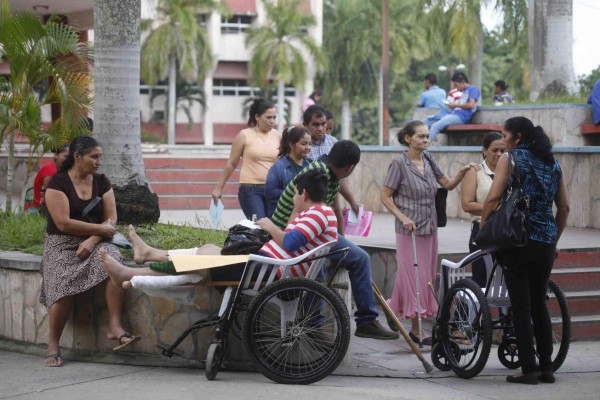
[(527, 282), (478, 267)]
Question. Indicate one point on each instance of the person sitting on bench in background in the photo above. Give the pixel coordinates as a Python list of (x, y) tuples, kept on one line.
[(315, 225), (462, 111)]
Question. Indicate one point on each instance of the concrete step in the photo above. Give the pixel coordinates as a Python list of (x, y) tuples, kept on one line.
[(191, 188), (195, 202), (577, 279), (189, 175), (582, 303), (577, 258), (585, 327)]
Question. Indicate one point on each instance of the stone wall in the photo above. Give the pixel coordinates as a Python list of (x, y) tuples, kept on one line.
[(560, 121), (580, 166)]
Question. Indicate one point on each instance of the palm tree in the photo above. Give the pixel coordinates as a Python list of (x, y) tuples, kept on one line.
[(551, 48), (352, 42), (178, 45), (35, 53), (279, 49), (117, 108)]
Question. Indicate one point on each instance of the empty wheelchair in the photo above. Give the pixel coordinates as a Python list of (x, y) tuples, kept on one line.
[(462, 334)]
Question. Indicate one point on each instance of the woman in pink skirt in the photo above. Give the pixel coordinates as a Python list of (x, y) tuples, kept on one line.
[(409, 193)]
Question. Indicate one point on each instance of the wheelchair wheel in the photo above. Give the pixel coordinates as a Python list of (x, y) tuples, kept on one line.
[(561, 323), (508, 353), (296, 331), (466, 323), (213, 361), (439, 359)]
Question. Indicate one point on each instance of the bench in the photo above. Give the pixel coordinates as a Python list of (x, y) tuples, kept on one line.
[(589, 129), (467, 134)]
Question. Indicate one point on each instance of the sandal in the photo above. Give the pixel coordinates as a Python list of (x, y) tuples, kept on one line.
[(53, 360), (125, 343)]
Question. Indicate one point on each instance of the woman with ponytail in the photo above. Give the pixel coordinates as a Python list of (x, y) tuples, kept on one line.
[(527, 269), (294, 151)]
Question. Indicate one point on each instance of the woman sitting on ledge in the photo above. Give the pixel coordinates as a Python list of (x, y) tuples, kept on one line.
[(315, 225), (70, 263)]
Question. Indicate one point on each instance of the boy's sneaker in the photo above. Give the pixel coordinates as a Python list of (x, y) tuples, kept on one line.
[(374, 330)]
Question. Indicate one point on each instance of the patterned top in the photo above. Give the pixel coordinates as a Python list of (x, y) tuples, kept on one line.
[(414, 193), (62, 182), (285, 205), (322, 149), (318, 225), (541, 182)]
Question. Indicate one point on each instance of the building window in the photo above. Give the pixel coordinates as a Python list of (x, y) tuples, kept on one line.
[(239, 87), (236, 24)]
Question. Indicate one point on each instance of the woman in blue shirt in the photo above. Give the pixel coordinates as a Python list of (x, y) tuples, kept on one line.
[(527, 269), (294, 150)]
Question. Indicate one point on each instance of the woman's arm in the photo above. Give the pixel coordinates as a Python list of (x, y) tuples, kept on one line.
[(497, 190), (450, 183), (237, 149), (562, 207), (388, 202), (58, 207), (468, 194)]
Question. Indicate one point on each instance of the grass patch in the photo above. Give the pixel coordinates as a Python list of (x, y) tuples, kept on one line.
[(26, 232)]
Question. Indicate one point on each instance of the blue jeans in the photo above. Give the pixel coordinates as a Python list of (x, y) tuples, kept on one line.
[(358, 264), (253, 201), (446, 121), (431, 119)]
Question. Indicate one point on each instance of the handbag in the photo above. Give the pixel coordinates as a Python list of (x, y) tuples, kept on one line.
[(244, 240), (118, 238), (440, 201), (508, 227)]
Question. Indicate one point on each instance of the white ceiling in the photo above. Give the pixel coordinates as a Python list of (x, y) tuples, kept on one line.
[(54, 6), (80, 12)]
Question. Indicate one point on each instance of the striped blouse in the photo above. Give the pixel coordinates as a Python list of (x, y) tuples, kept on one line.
[(414, 193)]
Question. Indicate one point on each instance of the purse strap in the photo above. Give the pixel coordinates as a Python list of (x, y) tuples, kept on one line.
[(90, 206)]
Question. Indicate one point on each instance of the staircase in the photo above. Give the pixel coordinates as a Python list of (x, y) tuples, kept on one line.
[(577, 272), (185, 182)]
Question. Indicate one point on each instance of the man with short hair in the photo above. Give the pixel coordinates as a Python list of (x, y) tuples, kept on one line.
[(462, 111), (339, 164), (433, 96), (315, 120)]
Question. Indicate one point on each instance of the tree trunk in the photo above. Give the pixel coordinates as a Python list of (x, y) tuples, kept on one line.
[(551, 48), (476, 65), (10, 168), (117, 108), (345, 119), (172, 109), (280, 105)]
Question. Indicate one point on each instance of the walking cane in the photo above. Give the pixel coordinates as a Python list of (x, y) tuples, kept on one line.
[(392, 317), (414, 248)]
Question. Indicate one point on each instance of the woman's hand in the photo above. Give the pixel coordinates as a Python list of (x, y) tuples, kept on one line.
[(475, 166), (86, 248), (106, 229), (408, 224), (216, 195)]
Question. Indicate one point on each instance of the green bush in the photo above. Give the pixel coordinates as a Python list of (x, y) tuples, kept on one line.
[(26, 232)]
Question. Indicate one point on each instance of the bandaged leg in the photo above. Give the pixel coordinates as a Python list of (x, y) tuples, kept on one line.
[(168, 286)]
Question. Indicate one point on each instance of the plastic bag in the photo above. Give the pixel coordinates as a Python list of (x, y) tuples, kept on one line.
[(244, 240)]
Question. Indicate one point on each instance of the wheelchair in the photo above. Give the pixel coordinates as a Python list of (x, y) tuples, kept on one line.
[(462, 334), (295, 329)]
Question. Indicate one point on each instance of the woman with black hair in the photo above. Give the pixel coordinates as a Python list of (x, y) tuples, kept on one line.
[(527, 269), (258, 146), (74, 236), (294, 151)]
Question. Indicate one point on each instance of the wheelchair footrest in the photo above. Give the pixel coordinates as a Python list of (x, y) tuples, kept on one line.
[(168, 351)]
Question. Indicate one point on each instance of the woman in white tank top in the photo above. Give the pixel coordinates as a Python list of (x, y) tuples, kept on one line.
[(474, 190)]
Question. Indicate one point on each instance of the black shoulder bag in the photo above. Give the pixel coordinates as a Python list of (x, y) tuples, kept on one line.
[(508, 227), (440, 201)]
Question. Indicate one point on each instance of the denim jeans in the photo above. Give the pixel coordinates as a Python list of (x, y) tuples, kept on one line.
[(446, 121), (358, 264), (253, 201)]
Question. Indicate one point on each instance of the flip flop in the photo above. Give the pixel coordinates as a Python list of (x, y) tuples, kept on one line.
[(58, 361), (123, 344)]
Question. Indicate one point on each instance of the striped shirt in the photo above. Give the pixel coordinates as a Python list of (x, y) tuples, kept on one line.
[(285, 205), (318, 225), (414, 193)]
